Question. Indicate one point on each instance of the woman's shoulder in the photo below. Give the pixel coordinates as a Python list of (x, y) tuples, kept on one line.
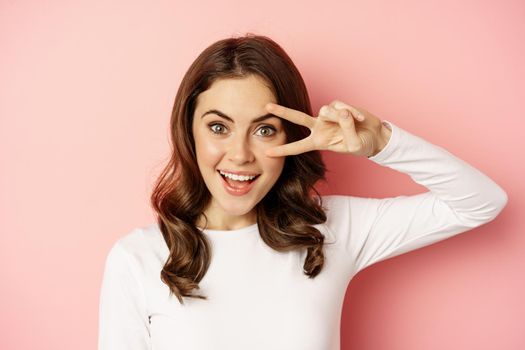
[(336, 208), (334, 199), (337, 204), (343, 203), (345, 211), (141, 241)]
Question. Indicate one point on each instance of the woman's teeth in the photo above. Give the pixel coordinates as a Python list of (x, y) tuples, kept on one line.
[(238, 177)]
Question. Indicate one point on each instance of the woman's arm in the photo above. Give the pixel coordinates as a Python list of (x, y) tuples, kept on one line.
[(123, 319), (460, 197)]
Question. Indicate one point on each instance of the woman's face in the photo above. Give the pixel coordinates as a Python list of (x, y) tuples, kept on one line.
[(228, 139)]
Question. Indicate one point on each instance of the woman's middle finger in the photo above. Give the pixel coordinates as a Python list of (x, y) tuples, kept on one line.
[(332, 114), (355, 112)]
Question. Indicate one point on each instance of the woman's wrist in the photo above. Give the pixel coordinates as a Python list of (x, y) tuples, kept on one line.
[(382, 139)]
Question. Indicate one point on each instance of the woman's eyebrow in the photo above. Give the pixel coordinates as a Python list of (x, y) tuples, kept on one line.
[(222, 115)]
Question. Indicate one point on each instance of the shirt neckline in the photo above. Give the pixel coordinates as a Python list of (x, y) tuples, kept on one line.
[(246, 229)]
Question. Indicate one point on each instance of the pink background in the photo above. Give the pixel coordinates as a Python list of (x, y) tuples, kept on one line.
[(86, 91)]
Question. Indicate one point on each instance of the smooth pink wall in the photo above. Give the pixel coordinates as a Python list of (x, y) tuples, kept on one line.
[(86, 90)]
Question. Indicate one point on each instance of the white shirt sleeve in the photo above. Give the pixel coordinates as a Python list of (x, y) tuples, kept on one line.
[(460, 197), (123, 319)]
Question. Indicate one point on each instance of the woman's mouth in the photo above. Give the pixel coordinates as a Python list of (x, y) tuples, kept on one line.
[(236, 187)]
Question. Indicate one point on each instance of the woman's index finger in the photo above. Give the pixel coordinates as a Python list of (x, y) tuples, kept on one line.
[(290, 114)]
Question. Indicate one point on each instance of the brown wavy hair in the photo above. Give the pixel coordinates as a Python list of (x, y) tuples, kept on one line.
[(179, 196)]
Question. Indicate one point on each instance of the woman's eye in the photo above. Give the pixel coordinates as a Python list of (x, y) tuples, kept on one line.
[(216, 128), (268, 133)]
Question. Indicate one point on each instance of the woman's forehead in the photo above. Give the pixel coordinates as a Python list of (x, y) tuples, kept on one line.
[(232, 100), (236, 90)]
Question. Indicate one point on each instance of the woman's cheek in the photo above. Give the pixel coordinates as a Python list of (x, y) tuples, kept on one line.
[(275, 164), (211, 151)]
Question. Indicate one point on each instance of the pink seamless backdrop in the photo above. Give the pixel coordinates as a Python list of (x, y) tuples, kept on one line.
[(86, 91)]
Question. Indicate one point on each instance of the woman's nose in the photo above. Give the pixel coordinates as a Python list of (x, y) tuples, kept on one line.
[(240, 150)]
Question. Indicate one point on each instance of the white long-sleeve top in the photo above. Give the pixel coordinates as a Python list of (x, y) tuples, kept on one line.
[(259, 298)]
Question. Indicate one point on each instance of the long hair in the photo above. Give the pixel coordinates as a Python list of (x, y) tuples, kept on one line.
[(285, 215)]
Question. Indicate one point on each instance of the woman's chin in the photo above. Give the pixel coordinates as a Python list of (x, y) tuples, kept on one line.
[(236, 206), (241, 211)]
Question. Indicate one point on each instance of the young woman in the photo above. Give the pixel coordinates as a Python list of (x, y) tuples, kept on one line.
[(245, 253)]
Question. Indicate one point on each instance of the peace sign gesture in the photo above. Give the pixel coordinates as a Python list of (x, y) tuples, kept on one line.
[(339, 128)]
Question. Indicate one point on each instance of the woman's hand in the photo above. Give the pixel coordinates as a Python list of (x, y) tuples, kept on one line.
[(339, 128)]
